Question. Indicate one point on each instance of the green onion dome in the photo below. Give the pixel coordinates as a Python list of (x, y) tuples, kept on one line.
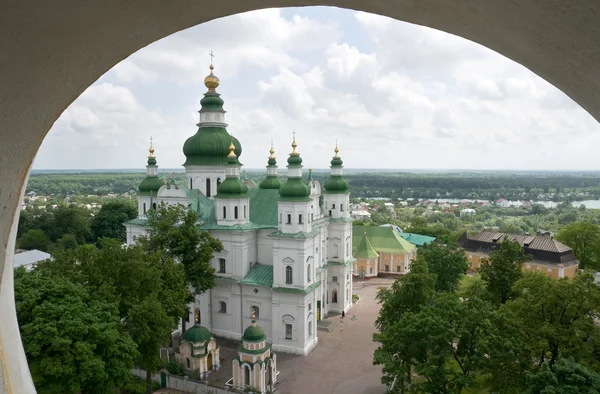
[(336, 184), (294, 188), (232, 186), (197, 333), (152, 182), (271, 181), (209, 147), (212, 102), (309, 179), (254, 333)]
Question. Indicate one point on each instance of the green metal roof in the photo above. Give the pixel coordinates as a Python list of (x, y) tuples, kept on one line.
[(294, 188), (263, 207), (259, 275), (254, 333), (417, 239), (197, 333), (210, 146), (365, 250), (296, 290), (383, 239)]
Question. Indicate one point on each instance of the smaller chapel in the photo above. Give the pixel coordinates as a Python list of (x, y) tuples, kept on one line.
[(255, 367), (198, 351)]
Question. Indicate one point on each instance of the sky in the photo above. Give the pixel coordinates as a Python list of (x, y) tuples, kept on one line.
[(394, 96)]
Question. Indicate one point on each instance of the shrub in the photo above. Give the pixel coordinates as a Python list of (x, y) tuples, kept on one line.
[(174, 367)]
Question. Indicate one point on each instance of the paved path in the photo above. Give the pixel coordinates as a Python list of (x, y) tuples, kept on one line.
[(342, 362)]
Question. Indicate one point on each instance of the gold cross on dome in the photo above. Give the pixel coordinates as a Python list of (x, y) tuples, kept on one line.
[(151, 140), (212, 56)]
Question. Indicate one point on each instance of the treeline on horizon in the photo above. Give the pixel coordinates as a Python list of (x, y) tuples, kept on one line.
[(484, 186)]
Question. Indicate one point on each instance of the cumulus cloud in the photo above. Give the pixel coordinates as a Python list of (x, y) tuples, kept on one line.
[(396, 95)]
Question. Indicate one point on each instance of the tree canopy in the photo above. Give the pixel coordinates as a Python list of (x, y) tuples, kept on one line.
[(584, 239), (108, 222), (448, 263)]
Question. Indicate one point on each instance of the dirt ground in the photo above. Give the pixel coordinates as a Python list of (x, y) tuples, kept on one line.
[(342, 361)]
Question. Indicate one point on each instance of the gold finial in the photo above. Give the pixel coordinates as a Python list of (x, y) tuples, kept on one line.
[(231, 150), (272, 151), (253, 314), (294, 144), (211, 82), (151, 150), (336, 150), (310, 169)]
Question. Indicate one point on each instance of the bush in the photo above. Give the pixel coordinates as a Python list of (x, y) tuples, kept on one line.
[(136, 385), (355, 297), (174, 367)]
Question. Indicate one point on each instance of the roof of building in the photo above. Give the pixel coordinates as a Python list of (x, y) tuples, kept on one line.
[(535, 242), (259, 275), (254, 333), (197, 333), (417, 239), (30, 257), (383, 239), (365, 250)]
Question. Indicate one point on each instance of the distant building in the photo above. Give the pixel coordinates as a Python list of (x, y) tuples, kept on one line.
[(548, 255), (361, 215), (29, 258), (416, 239), (380, 251), (467, 212), (503, 203)]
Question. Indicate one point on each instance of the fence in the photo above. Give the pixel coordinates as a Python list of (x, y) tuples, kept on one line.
[(185, 385)]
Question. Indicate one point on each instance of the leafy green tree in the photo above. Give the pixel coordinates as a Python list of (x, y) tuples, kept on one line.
[(73, 342), (67, 241), (566, 377), (173, 229), (108, 222), (472, 286), (584, 239), (35, 239), (502, 269), (448, 263), (408, 293), (70, 220), (556, 317)]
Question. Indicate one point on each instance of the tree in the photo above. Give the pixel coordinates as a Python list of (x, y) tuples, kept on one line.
[(502, 269), (472, 286), (70, 220), (556, 317), (567, 377), (448, 263), (67, 241), (409, 293), (73, 342), (447, 343), (148, 287), (173, 229), (108, 222), (35, 239), (584, 239)]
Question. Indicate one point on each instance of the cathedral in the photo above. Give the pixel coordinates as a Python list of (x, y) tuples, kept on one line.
[(287, 246)]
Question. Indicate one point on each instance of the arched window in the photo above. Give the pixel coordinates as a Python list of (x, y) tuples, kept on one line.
[(144, 208), (288, 275), (154, 206), (334, 296), (244, 212), (235, 212), (218, 181), (207, 187), (197, 319), (254, 311), (224, 212), (191, 184), (188, 363), (246, 375), (308, 273)]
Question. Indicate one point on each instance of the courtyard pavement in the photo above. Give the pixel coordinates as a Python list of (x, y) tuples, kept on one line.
[(342, 361)]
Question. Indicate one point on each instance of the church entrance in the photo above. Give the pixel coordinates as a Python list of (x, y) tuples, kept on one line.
[(362, 274), (209, 362)]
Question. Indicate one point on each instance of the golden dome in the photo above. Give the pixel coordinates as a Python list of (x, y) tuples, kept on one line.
[(336, 150), (151, 150), (294, 145), (272, 152), (231, 150), (211, 82)]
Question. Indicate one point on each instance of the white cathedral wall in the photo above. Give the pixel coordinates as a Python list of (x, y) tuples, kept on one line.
[(134, 231), (291, 308), (343, 286), (297, 254), (340, 241), (264, 247), (289, 217), (239, 251), (197, 176), (261, 299), (336, 206), (226, 322)]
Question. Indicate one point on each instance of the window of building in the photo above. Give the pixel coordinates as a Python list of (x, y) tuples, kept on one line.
[(247, 375), (347, 276), (334, 296), (222, 266), (309, 328), (300, 218), (334, 278), (308, 275), (312, 217), (191, 185), (218, 181), (222, 307), (332, 206), (371, 270), (144, 208), (244, 212), (387, 267), (224, 212), (310, 306), (280, 215), (289, 219), (341, 207), (288, 275), (288, 331), (397, 268), (235, 212), (330, 212), (207, 187), (154, 206), (188, 362), (347, 249), (197, 318), (254, 311)]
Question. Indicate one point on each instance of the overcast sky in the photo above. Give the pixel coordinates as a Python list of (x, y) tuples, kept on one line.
[(395, 95)]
